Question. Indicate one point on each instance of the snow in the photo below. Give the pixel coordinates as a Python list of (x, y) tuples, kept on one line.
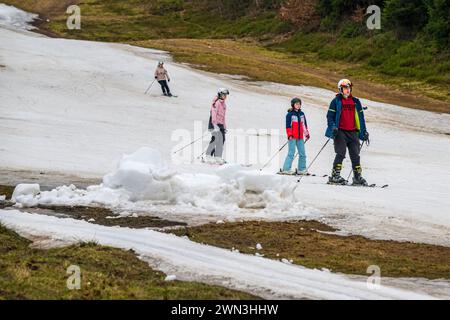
[(143, 174), (144, 177), (196, 262), (171, 278), (258, 246), (25, 194), (78, 107), (2, 197), (11, 16)]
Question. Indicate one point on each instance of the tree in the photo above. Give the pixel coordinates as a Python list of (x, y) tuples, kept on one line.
[(438, 26), (405, 17)]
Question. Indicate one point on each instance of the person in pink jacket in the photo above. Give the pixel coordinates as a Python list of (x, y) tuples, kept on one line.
[(162, 76), (217, 125)]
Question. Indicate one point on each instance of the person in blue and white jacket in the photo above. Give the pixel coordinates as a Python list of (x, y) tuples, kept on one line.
[(346, 126), (297, 133)]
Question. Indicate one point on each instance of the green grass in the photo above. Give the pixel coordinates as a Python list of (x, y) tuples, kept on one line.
[(250, 59), (6, 191), (301, 242), (133, 20), (410, 65), (106, 273)]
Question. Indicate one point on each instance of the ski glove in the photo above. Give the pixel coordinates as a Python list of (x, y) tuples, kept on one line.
[(335, 132), (308, 137), (366, 136)]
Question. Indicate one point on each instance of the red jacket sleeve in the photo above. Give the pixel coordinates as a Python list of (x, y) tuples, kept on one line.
[(288, 125)]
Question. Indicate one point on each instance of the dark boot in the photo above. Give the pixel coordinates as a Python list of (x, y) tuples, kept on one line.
[(336, 175), (358, 180)]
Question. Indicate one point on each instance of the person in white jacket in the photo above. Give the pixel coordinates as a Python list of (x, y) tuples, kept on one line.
[(162, 76)]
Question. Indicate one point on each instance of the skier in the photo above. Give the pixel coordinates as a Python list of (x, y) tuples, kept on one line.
[(217, 126), (297, 134), (346, 125), (162, 76)]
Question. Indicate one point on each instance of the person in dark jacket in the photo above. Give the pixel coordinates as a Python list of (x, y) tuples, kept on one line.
[(297, 133), (347, 126)]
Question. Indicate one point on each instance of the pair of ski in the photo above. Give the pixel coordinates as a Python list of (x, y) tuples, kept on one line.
[(219, 164), (295, 174), (347, 184)]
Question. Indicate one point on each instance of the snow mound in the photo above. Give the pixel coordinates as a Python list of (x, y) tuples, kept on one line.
[(144, 178), (10, 16), (25, 194), (143, 174)]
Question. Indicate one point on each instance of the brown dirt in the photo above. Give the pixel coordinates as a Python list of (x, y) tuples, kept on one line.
[(107, 217)]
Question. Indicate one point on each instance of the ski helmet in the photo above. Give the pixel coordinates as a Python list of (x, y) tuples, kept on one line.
[(345, 83), (294, 101), (223, 92), (160, 63)]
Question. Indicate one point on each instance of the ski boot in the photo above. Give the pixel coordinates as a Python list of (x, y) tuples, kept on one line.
[(219, 161), (207, 159), (287, 173), (336, 176), (358, 180), (303, 173)]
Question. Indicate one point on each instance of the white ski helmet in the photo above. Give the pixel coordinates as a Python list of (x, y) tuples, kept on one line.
[(345, 83), (160, 63), (223, 92)]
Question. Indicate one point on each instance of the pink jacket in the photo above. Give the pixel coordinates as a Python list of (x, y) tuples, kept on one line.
[(218, 112), (161, 74)]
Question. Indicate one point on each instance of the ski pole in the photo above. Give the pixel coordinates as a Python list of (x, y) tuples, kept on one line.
[(201, 156), (360, 148), (191, 143), (149, 87), (268, 162), (312, 162)]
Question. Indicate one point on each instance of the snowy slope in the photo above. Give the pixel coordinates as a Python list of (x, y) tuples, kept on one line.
[(192, 261), (10, 16), (77, 107)]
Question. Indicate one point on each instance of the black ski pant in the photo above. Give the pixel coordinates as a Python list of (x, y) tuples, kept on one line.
[(164, 86), (343, 140)]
